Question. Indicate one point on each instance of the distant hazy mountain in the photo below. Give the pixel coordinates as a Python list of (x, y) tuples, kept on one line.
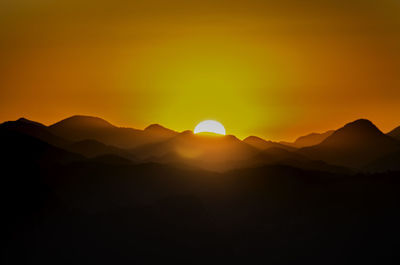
[(93, 148), (111, 159), (215, 152), (395, 133), (159, 131), (309, 139), (78, 128), (355, 145), (285, 157), (262, 144)]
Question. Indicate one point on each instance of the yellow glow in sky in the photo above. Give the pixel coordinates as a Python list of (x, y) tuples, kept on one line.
[(276, 69)]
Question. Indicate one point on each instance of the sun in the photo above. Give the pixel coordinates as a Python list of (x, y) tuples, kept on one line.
[(210, 126)]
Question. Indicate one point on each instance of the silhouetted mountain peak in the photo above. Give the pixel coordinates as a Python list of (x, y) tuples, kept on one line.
[(82, 121), (362, 125), (257, 140), (26, 121), (262, 144), (356, 144), (154, 126), (253, 138), (354, 133), (23, 123), (187, 132), (34, 129), (157, 128), (231, 137)]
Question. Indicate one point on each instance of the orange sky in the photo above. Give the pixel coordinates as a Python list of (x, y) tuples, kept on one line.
[(277, 69)]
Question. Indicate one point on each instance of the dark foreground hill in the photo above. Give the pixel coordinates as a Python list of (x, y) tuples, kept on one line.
[(61, 208)]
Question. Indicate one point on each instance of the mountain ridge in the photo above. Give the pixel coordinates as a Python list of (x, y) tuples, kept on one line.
[(354, 145)]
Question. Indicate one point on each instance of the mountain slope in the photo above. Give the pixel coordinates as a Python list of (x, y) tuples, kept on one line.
[(19, 147), (309, 139), (354, 145), (160, 131), (78, 128), (395, 133), (93, 148), (211, 152), (312, 139), (34, 129), (262, 144)]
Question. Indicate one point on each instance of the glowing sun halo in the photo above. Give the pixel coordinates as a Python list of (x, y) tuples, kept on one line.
[(210, 126)]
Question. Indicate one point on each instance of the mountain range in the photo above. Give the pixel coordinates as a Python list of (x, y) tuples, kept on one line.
[(356, 146)]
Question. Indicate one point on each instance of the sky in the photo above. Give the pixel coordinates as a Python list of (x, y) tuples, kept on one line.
[(276, 69)]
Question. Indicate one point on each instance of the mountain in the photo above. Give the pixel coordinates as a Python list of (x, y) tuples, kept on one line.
[(355, 145), (93, 148), (160, 131), (204, 151), (34, 129), (273, 153), (24, 148), (82, 122), (224, 153), (312, 139), (284, 157), (29, 122), (309, 139), (111, 159), (262, 144), (78, 128), (395, 133)]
